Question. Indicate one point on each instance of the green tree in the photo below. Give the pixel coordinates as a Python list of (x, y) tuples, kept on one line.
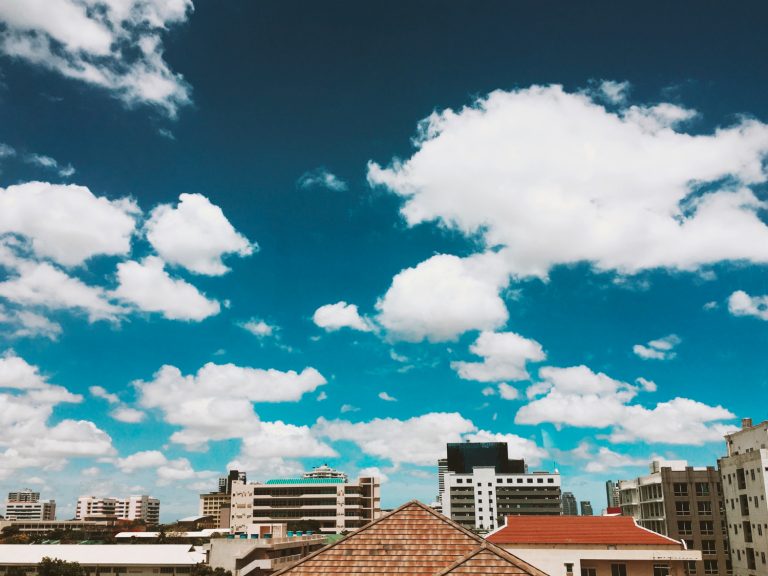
[(205, 570), (15, 571), (56, 567)]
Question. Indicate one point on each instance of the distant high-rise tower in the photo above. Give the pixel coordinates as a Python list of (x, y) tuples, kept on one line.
[(612, 494), (586, 508), (569, 504), (442, 468)]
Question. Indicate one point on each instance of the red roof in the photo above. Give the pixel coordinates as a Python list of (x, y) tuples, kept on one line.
[(413, 540), (610, 530)]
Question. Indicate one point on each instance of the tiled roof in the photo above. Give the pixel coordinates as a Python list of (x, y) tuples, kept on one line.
[(611, 530), (305, 481), (413, 540)]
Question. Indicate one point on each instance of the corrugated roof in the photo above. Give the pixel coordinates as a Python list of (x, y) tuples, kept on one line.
[(611, 530), (305, 481), (413, 540), (103, 554)]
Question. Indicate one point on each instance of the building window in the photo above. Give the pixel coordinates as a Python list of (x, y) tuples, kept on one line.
[(689, 544), (705, 508), (690, 567), (710, 567), (660, 570), (619, 570), (702, 489), (707, 527), (589, 572), (680, 489), (683, 508), (550, 480), (708, 547), (684, 527)]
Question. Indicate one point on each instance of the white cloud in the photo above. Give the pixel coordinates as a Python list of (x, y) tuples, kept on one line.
[(101, 392), (418, 440), (149, 287), (742, 304), (508, 392), (489, 391), (322, 396), (505, 355), (660, 349), (195, 234), (41, 284), (140, 460), (28, 440), (26, 324), (547, 178), (605, 459), (112, 44), (332, 317), (443, 297), (322, 178), (579, 397), (258, 328), (217, 402), (612, 91), (180, 469), (712, 305), (386, 397), (127, 415), (67, 223), (373, 471), (51, 163), (6, 150), (345, 408)]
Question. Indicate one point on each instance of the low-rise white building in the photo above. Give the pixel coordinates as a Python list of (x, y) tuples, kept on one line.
[(134, 559), (141, 507), (593, 546)]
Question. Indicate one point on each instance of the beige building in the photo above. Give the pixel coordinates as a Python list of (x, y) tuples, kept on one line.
[(141, 507), (744, 475), (592, 546), (26, 505), (337, 505), (217, 504)]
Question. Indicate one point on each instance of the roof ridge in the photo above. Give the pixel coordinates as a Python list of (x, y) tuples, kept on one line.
[(499, 552)]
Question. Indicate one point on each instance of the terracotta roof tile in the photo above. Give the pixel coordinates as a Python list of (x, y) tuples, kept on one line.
[(612, 530), (413, 540)]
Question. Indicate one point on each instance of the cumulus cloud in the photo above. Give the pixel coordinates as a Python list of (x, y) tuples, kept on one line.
[(216, 403), (742, 304), (258, 328), (332, 317), (659, 349), (322, 178), (45, 214), (24, 323), (113, 45), (104, 394), (386, 397), (150, 288), (127, 415), (27, 401), (140, 460), (612, 91), (519, 447), (443, 297), (605, 459), (545, 177), (181, 469), (508, 392), (505, 355), (44, 285), (579, 397), (195, 234)]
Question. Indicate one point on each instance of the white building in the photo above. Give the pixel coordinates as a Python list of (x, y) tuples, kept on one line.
[(26, 505), (643, 498), (141, 507), (337, 505), (481, 499), (744, 476), (134, 559)]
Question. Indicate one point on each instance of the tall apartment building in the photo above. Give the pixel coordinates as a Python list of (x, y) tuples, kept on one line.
[(141, 507), (218, 504), (744, 474), (569, 504), (612, 494), (482, 486), (442, 468), (338, 505), (586, 508), (26, 505), (684, 503)]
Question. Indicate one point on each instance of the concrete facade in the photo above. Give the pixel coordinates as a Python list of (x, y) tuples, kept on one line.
[(26, 505), (141, 507), (744, 475)]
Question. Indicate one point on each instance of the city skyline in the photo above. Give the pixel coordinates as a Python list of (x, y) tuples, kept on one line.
[(245, 236)]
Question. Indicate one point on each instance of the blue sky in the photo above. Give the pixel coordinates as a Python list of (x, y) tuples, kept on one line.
[(276, 234)]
